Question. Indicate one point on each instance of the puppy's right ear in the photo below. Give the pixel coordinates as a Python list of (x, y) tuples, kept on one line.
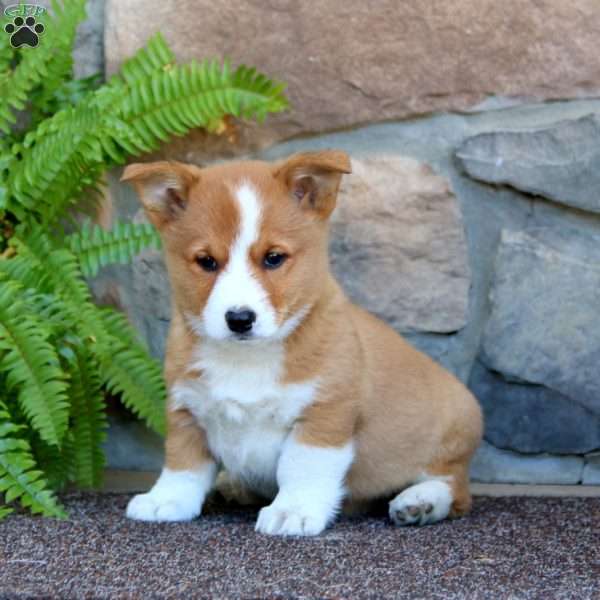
[(163, 188)]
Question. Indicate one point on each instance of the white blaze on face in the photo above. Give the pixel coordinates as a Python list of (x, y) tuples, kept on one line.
[(237, 286)]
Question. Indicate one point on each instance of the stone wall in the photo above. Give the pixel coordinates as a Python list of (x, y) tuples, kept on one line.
[(471, 221)]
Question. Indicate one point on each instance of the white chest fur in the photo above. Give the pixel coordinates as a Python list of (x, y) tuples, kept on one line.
[(246, 411)]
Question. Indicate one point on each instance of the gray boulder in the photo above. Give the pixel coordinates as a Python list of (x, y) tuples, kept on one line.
[(545, 301), (560, 162), (591, 470), (492, 465), (533, 418), (398, 244)]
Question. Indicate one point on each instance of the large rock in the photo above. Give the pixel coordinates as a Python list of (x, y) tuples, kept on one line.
[(591, 470), (545, 297), (357, 62), (492, 465), (131, 446), (88, 54), (533, 418), (398, 244), (560, 162)]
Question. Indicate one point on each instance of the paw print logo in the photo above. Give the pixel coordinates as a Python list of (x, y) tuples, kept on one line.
[(24, 32)]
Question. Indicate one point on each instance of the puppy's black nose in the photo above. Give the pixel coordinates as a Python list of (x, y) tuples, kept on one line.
[(240, 321)]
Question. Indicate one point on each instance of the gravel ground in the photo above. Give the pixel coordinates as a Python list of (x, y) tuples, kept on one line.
[(543, 548)]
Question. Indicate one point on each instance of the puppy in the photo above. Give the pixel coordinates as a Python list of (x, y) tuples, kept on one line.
[(275, 375)]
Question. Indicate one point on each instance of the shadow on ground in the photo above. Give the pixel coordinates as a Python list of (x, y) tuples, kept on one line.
[(546, 548)]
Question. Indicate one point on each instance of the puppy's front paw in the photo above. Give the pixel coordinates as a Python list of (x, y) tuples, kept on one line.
[(278, 519), (176, 496), (151, 507)]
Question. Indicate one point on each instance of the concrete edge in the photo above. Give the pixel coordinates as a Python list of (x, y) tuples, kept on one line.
[(519, 489), (120, 481)]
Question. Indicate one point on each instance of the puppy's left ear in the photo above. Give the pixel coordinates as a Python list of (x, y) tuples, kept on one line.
[(313, 179), (163, 188)]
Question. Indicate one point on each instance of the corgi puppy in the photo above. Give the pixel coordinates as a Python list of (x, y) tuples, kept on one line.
[(274, 375)]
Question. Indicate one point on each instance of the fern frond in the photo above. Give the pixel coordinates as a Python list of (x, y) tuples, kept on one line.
[(59, 265), (150, 102), (89, 419), (7, 55), (73, 138), (175, 100), (135, 375), (19, 478), (57, 464), (32, 366), (48, 67), (154, 56), (95, 247)]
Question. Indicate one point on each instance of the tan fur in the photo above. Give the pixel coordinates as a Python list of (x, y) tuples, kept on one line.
[(408, 417)]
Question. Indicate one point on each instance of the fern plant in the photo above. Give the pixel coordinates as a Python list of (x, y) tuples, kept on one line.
[(60, 354)]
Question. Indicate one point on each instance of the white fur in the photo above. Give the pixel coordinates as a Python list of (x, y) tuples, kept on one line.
[(176, 496), (237, 286), (311, 489), (423, 503), (245, 410)]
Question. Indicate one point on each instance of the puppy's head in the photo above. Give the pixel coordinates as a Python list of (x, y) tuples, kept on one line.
[(245, 243)]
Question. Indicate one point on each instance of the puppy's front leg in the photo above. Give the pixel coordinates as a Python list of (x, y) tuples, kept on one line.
[(310, 474), (187, 477)]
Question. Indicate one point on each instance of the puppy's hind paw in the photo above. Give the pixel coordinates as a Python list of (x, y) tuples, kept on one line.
[(421, 504), (411, 514)]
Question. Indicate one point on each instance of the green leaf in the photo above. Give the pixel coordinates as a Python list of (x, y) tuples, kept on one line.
[(95, 247), (135, 375), (19, 478), (32, 366), (89, 419), (45, 68)]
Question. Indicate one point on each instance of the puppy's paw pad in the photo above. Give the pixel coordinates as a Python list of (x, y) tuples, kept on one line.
[(422, 503), (411, 514), (145, 507), (281, 521)]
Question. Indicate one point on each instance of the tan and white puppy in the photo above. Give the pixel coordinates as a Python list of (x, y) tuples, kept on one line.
[(275, 375)]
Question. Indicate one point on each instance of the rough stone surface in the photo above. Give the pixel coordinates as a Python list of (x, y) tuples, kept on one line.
[(356, 62), (492, 465), (398, 245), (130, 445), (591, 470), (560, 162), (533, 418), (88, 55), (543, 326)]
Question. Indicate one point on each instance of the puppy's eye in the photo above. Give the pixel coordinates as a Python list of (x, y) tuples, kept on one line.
[(273, 260), (208, 263)]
